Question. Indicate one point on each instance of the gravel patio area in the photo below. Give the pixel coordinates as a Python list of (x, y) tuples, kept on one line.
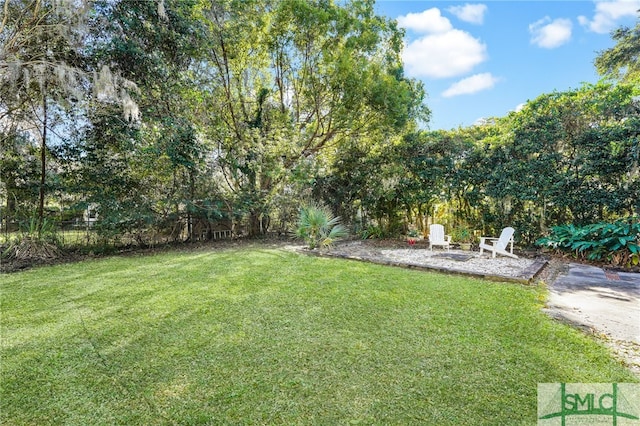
[(465, 262)]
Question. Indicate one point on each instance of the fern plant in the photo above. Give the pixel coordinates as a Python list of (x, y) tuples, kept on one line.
[(318, 227)]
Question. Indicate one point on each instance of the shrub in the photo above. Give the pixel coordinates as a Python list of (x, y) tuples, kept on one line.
[(617, 243), (33, 243), (372, 232), (319, 227), (463, 235)]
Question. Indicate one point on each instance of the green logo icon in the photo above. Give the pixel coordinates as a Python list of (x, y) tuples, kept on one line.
[(569, 404)]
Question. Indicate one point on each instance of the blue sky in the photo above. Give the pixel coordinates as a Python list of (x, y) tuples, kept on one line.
[(483, 59)]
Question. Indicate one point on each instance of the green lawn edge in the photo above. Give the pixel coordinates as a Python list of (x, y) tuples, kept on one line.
[(267, 336)]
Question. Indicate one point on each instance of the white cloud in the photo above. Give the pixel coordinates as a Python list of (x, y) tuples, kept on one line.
[(475, 83), (473, 13), (429, 21), (550, 34), (448, 54), (607, 14), (482, 121), (441, 51), (520, 107)]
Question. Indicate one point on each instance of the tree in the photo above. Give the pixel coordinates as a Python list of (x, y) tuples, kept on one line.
[(159, 46), (622, 61), (234, 102), (577, 153), (43, 71), (430, 162), (293, 79)]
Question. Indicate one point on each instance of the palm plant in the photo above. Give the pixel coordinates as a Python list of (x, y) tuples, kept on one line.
[(319, 227)]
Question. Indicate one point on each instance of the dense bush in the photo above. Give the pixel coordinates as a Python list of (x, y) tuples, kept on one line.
[(617, 243)]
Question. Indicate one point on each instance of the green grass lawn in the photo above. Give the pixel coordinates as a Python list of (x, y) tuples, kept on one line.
[(265, 336)]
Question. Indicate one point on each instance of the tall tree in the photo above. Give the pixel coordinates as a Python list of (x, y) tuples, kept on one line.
[(157, 44), (294, 78), (43, 71)]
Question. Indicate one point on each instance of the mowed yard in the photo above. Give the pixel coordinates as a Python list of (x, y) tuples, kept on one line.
[(258, 335)]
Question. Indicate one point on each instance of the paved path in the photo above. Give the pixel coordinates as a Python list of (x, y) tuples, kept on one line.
[(608, 302)]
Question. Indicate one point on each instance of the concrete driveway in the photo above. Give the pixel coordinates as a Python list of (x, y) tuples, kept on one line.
[(605, 301)]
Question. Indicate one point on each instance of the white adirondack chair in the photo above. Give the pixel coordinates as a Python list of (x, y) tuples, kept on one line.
[(499, 245), (437, 237)]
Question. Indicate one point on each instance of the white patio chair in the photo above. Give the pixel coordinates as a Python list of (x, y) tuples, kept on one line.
[(499, 245), (437, 237)]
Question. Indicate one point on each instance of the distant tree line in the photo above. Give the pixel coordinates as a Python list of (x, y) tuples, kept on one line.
[(178, 114)]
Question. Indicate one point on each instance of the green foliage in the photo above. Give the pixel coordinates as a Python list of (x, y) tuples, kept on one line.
[(373, 232), (255, 104), (49, 77), (19, 176), (463, 235), (32, 229), (622, 61), (576, 151), (318, 227), (617, 242), (316, 75)]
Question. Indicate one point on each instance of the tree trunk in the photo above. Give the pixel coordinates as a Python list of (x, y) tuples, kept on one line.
[(43, 161), (192, 191), (259, 223)]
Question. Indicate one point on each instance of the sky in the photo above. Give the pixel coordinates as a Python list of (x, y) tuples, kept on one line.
[(484, 59)]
